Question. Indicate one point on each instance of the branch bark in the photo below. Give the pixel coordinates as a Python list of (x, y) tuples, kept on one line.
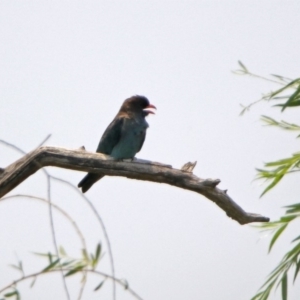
[(80, 160)]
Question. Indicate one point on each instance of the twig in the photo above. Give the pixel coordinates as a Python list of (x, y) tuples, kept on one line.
[(79, 160), (101, 225), (33, 275)]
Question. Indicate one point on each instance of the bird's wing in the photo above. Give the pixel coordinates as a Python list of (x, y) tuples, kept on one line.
[(143, 136), (111, 136)]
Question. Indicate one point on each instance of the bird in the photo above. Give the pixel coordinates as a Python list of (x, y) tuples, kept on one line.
[(124, 136)]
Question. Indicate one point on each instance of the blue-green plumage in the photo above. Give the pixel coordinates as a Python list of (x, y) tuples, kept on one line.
[(124, 136)]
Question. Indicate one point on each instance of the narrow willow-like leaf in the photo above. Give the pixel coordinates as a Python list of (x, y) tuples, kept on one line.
[(85, 255), (296, 239), (292, 104), (98, 251), (296, 270), (50, 257), (282, 124), (289, 85), (99, 285), (284, 286), (75, 270), (11, 294), (270, 186), (293, 208), (62, 251), (243, 66), (33, 281), (293, 253), (287, 219), (52, 265), (68, 263), (292, 99), (276, 236)]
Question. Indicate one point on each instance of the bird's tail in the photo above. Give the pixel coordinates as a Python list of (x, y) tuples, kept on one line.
[(88, 181)]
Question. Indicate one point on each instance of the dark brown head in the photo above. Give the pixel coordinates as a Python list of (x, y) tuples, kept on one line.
[(137, 105)]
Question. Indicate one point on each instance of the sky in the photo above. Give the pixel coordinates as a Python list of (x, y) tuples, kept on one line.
[(65, 69)]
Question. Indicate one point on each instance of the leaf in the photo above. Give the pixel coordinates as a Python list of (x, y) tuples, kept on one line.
[(294, 208), (67, 263), (287, 219), (296, 239), (282, 124), (62, 251), (99, 285), (292, 98), (53, 264), (85, 255), (75, 270), (296, 270), (276, 236), (282, 78), (243, 66), (11, 294), (284, 286), (270, 186), (50, 257), (33, 281), (98, 251), (293, 253), (296, 102), (289, 85)]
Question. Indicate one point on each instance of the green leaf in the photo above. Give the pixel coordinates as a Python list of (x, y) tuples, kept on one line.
[(50, 257), (75, 270), (62, 251), (289, 85), (98, 251), (296, 239), (287, 219), (292, 104), (276, 236), (284, 286), (292, 98), (52, 265), (33, 281), (11, 294), (294, 252), (85, 255), (296, 270), (282, 124), (273, 183), (67, 263), (294, 208), (243, 66), (99, 285)]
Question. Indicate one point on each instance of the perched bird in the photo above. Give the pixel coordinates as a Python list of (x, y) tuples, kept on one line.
[(125, 135)]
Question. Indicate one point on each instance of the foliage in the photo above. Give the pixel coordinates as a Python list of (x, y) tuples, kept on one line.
[(59, 262), (289, 97), (65, 264)]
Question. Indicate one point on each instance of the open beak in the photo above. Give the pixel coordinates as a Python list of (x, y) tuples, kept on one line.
[(148, 109)]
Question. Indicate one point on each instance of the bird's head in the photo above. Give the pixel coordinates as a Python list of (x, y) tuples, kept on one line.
[(137, 105)]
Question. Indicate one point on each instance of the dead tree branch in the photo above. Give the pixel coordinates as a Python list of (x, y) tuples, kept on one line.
[(80, 160)]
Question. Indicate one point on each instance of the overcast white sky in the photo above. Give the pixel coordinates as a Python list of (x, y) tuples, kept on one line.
[(66, 67)]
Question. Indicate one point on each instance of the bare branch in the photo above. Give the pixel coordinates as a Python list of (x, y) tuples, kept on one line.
[(84, 161)]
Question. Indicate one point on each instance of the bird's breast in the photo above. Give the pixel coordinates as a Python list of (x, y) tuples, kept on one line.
[(132, 138)]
